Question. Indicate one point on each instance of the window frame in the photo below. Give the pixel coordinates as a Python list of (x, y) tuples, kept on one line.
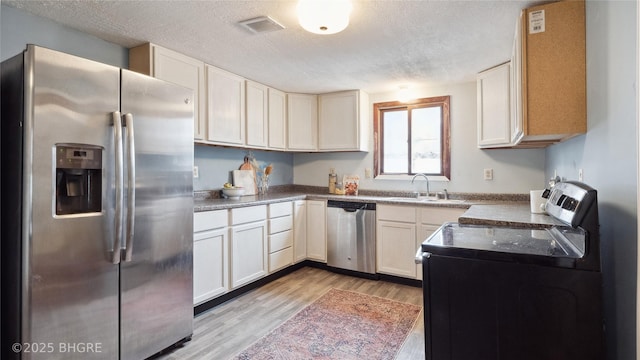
[(445, 146)]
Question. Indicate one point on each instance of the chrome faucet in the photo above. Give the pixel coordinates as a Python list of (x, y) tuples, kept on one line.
[(426, 178)]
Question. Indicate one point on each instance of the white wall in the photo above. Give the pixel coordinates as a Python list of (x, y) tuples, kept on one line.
[(607, 154), (515, 171), (215, 165)]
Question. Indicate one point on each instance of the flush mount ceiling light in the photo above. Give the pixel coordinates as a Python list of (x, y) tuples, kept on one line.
[(404, 95), (324, 17)]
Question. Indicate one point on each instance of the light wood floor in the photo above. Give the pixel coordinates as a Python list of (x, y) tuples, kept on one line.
[(229, 328)]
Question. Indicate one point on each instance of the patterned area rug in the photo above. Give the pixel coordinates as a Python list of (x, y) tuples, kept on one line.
[(340, 325)]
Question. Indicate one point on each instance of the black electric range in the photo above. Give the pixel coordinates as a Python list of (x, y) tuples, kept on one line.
[(494, 292)]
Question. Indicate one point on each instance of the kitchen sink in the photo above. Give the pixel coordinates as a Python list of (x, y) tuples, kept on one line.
[(424, 199)]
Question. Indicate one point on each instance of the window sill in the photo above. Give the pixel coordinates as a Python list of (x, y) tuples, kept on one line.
[(437, 178)]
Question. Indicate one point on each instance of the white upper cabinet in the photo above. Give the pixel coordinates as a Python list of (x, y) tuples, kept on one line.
[(302, 122), (494, 106), (546, 90), (225, 107), (343, 123), (277, 111), (257, 112), (174, 67), (517, 126), (233, 111)]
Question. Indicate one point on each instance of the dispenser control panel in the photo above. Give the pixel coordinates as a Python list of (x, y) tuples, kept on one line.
[(72, 157), (78, 170)]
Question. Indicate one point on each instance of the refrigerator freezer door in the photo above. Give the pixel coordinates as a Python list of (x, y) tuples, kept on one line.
[(156, 284), (70, 295)]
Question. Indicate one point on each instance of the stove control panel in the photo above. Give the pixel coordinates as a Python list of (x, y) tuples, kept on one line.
[(569, 202)]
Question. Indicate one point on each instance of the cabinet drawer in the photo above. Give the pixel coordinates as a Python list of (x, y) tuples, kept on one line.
[(396, 213), (280, 259), (280, 209), (280, 241), (439, 216), (248, 214), (208, 220), (280, 224)]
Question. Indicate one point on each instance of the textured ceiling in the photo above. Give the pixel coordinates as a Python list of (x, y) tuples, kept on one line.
[(387, 44)]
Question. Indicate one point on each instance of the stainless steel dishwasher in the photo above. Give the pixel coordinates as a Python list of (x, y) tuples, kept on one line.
[(351, 235)]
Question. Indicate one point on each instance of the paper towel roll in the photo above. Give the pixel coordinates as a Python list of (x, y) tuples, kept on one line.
[(537, 201)]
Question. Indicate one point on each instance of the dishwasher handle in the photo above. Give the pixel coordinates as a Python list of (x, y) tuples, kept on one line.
[(351, 205)]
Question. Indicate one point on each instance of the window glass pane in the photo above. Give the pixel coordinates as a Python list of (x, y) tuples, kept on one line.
[(396, 135), (426, 140)]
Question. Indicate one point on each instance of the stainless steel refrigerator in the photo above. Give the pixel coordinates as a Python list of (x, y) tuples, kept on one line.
[(97, 210)]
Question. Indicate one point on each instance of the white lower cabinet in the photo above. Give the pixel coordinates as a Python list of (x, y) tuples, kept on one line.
[(316, 230), (396, 248), (210, 255), (280, 236), (430, 220), (401, 230), (396, 240), (248, 245), (233, 248), (299, 230)]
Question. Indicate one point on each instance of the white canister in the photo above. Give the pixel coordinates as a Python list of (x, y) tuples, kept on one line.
[(537, 201)]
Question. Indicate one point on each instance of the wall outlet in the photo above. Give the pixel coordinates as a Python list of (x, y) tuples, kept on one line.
[(332, 170), (367, 173), (196, 174), (488, 174)]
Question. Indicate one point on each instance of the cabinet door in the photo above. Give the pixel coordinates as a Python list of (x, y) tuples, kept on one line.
[(176, 68), (316, 230), (494, 108), (299, 230), (256, 105), (339, 121), (396, 248), (225, 107), (302, 122), (517, 118), (249, 257), (277, 119), (210, 264)]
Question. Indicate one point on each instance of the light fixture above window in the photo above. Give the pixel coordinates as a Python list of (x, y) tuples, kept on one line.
[(324, 16), (404, 94)]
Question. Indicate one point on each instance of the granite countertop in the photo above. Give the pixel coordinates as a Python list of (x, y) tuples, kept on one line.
[(511, 215), (207, 201), (208, 204), (510, 210)]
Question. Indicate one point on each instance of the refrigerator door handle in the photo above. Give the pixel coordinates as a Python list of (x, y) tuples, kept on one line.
[(119, 185), (131, 185)]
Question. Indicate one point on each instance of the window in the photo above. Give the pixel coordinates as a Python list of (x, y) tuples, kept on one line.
[(412, 137)]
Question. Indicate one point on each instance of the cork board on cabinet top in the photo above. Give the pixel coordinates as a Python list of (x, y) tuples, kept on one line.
[(554, 69)]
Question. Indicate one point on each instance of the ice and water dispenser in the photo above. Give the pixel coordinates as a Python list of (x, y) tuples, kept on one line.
[(78, 179)]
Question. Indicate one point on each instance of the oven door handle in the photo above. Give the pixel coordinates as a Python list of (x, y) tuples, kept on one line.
[(421, 255)]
